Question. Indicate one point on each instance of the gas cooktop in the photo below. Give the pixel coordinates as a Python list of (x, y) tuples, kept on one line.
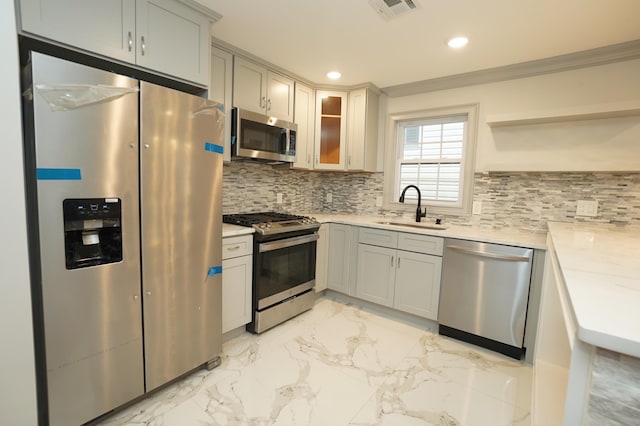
[(267, 223)]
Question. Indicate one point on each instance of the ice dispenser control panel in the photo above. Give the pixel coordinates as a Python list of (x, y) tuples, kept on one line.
[(92, 231)]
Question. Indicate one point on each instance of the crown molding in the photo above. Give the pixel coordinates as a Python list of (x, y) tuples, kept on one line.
[(236, 51), (587, 58), (212, 14)]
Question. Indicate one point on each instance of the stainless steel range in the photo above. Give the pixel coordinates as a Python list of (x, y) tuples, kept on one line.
[(284, 265)]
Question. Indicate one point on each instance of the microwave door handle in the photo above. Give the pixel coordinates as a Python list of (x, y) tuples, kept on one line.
[(284, 137)]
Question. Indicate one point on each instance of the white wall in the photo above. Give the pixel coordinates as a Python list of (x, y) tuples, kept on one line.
[(596, 145), (17, 383)]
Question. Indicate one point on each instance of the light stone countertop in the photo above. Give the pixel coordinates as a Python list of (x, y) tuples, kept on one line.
[(229, 230), (513, 237), (600, 265)]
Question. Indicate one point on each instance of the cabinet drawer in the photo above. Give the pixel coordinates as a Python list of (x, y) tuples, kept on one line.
[(420, 243), (237, 246), (378, 237)]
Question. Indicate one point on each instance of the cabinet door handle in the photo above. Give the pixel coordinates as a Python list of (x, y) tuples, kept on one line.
[(398, 263), (130, 42), (392, 261), (349, 159), (268, 104), (143, 45), (308, 158), (263, 101)]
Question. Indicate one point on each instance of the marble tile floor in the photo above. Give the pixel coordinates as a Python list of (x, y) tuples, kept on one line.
[(339, 364)]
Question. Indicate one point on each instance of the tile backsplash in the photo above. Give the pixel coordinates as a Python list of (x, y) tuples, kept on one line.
[(614, 397), (524, 200)]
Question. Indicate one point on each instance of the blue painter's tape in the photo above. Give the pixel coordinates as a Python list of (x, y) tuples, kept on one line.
[(58, 174), (233, 140), (211, 147), (221, 108), (214, 270)]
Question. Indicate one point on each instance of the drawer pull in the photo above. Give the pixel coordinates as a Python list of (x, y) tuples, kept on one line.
[(233, 248)]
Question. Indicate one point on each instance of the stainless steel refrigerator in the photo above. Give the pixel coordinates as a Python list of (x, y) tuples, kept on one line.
[(127, 182)]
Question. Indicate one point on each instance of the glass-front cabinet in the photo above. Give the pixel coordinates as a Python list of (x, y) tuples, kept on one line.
[(331, 129)]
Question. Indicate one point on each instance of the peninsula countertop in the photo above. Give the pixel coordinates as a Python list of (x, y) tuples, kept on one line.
[(600, 265)]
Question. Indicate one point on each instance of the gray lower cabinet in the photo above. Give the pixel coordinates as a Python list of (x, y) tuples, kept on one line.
[(400, 270), (417, 285), (237, 273), (322, 253), (342, 255), (376, 274)]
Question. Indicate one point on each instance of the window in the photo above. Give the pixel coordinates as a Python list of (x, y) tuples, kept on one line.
[(434, 151)]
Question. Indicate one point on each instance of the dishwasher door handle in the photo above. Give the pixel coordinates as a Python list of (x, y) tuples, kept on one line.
[(506, 257)]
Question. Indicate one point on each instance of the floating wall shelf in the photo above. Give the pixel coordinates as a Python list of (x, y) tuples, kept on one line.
[(589, 112)]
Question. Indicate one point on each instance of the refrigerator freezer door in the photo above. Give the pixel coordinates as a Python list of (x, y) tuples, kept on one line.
[(181, 190), (87, 149)]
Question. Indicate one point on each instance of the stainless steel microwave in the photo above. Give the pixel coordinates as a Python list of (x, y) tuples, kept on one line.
[(260, 137)]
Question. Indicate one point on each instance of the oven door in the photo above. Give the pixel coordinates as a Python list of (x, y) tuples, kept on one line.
[(284, 268)]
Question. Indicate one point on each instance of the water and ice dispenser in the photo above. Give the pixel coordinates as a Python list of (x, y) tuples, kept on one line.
[(92, 231)]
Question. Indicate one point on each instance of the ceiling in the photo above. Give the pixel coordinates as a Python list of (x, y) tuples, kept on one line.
[(311, 37)]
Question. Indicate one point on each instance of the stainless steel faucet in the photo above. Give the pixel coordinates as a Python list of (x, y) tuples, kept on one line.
[(419, 212)]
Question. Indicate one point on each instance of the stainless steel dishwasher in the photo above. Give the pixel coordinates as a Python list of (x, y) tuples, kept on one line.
[(484, 294)]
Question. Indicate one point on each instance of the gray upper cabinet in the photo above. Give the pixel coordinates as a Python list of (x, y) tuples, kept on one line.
[(221, 90), (174, 39), (259, 90), (104, 27), (166, 36), (362, 130), (305, 107)]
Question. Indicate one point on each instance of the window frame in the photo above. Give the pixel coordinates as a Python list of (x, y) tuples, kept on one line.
[(390, 197)]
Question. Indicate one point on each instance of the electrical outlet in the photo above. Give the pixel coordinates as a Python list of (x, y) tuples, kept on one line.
[(587, 208), (477, 207), (279, 198), (378, 201), (329, 197)]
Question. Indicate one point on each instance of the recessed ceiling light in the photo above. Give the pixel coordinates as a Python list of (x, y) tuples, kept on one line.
[(334, 75), (458, 42)]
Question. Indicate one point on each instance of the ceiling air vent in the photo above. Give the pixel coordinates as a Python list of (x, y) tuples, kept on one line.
[(389, 9)]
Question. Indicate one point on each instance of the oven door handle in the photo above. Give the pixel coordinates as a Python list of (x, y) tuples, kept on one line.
[(289, 242)]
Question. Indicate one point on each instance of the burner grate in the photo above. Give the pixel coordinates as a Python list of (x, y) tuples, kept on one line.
[(250, 219)]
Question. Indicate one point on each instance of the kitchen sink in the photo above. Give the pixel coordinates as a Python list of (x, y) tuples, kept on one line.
[(418, 225)]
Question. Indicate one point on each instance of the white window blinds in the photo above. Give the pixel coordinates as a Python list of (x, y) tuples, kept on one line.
[(430, 156)]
